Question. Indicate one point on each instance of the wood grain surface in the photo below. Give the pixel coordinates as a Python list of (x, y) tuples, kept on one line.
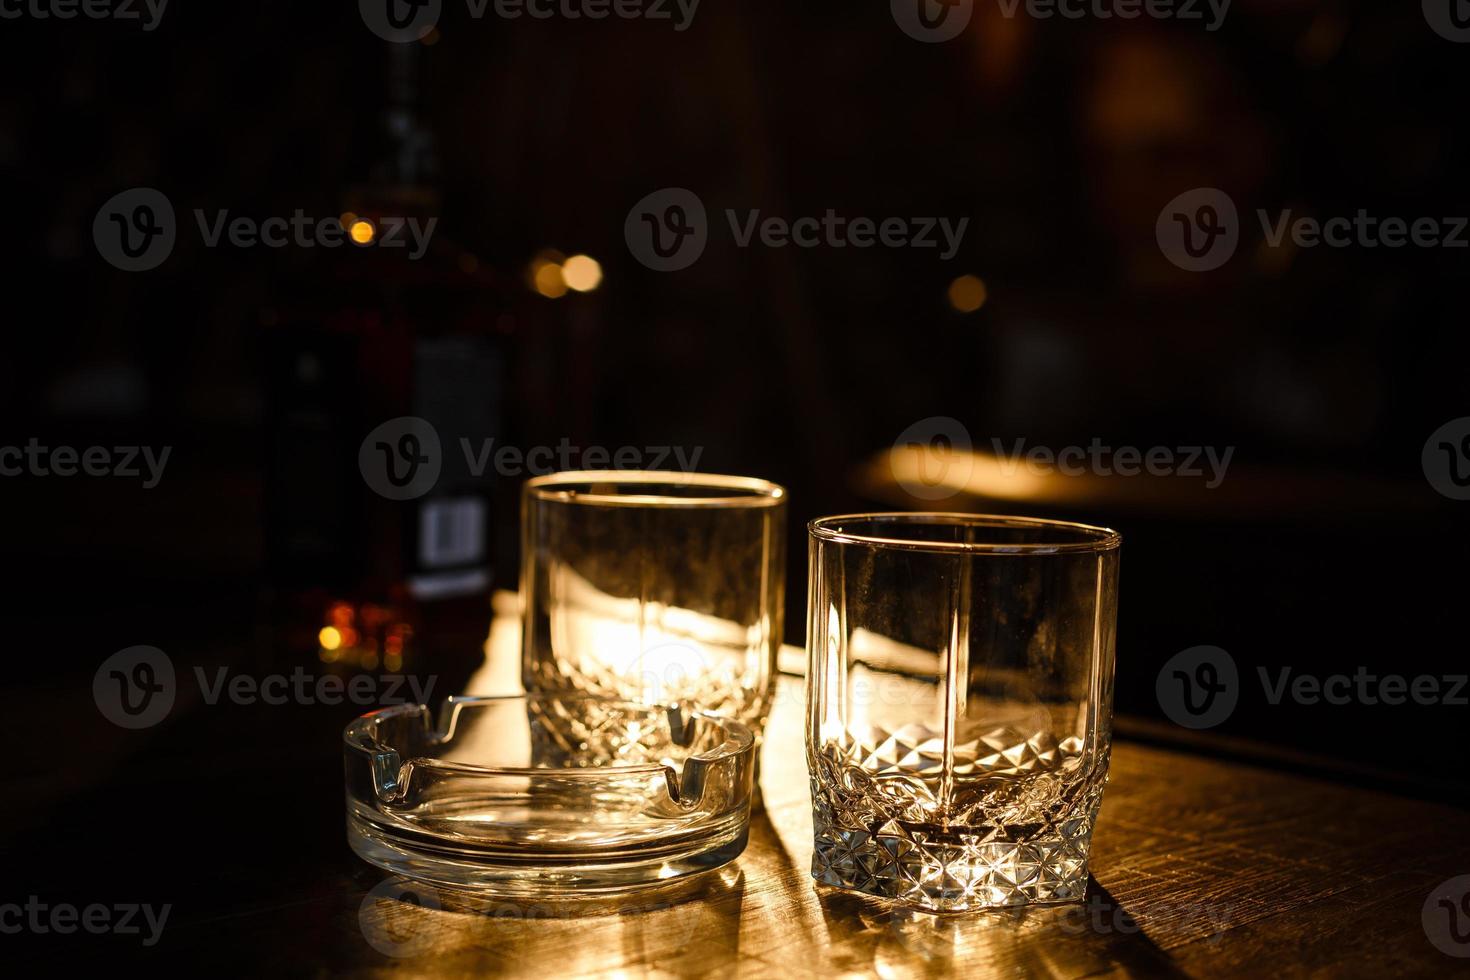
[(1201, 868)]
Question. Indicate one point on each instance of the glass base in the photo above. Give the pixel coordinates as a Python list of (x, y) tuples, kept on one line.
[(533, 875), (544, 794), (954, 872)]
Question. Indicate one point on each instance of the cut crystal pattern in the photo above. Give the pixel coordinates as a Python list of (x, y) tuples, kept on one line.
[(1015, 827), (723, 686)]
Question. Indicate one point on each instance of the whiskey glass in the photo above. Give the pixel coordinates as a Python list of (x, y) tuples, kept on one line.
[(959, 705), (654, 587)]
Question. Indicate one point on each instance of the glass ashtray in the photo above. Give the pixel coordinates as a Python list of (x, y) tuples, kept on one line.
[(545, 794)]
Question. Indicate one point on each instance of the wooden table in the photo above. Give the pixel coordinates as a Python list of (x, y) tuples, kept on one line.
[(1202, 867)]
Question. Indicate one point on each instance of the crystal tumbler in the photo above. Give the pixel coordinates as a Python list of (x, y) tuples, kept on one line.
[(655, 587), (959, 705)]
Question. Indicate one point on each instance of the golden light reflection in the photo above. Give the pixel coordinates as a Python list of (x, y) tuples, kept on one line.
[(353, 635), (833, 726), (669, 671), (965, 471), (362, 231), (968, 293), (582, 273), (549, 282), (545, 274)]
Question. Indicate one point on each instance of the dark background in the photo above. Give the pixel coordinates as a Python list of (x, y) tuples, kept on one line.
[(1326, 368)]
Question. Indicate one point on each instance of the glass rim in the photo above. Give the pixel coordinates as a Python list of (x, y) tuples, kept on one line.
[(743, 491), (358, 735), (1073, 537)]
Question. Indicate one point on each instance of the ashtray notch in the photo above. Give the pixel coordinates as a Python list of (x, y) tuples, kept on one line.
[(542, 793)]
